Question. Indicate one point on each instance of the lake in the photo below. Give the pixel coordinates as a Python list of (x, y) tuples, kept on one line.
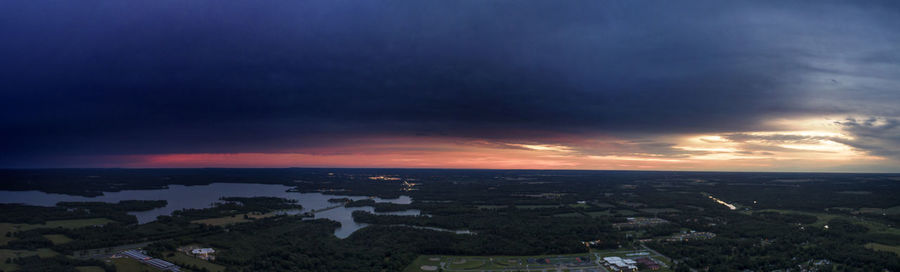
[(203, 196)]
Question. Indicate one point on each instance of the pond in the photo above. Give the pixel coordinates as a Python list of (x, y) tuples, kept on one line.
[(203, 196)]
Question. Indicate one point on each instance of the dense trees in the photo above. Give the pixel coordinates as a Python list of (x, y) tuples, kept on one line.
[(238, 205), (779, 223), (769, 242), (17, 213)]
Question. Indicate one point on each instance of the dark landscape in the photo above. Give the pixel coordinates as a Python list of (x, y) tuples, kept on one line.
[(450, 135), (765, 221)]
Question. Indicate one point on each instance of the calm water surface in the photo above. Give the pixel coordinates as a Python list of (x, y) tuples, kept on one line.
[(203, 196)]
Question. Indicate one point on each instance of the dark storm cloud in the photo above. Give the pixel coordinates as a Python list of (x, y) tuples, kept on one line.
[(133, 77), (879, 136)]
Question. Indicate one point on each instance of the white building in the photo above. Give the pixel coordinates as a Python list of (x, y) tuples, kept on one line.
[(619, 264), (203, 251)]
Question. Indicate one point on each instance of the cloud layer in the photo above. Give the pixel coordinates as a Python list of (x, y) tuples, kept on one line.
[(626, 79)]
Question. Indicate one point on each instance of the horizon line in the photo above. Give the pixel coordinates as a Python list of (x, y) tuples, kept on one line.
[(431, 168)]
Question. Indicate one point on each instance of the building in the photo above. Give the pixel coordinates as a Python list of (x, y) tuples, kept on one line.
[(137, 255), (157, 263), (619, 264), (203, 251)]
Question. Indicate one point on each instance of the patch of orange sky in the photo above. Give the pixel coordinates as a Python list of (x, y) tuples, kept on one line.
[(698, 152)]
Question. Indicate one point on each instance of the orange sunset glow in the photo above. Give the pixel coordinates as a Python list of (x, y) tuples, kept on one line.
[(802, 149)]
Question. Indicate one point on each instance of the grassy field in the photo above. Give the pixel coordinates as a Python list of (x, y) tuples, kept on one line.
[(423, 261), (889, 211), (9, 253), (129, 264), (181, 258), (74, 223), (893, 210), (880, 247), (599, 213), (603, 205), (57, 239), (4, 229), (228, 220), (625, 212), (579, 205), (90, 269)]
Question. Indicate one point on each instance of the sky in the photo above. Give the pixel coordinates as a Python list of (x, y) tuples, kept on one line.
[(639, 85)]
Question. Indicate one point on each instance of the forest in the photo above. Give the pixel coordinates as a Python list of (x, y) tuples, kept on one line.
[(779, 221)]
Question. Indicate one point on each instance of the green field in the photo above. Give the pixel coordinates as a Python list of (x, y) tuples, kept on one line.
[(74, 223), (880, 247), (889, 211), (893, 210), (625, 212), (228, 220), (57, 239), (599, 214), (4, 229), (423, 262), (579, 205), (181, 258), (90, 269), (603, 205)]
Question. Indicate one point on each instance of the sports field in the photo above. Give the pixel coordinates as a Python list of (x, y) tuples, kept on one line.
[(181, 258)]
